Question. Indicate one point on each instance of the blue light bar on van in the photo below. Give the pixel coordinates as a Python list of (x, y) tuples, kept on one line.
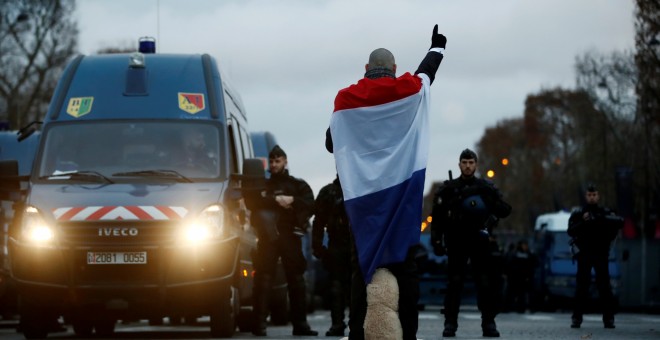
[(147, 45)]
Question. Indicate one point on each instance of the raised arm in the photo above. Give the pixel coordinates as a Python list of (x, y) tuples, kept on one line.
[(431, 61)]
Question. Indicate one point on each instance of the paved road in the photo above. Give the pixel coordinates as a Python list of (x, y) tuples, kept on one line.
[(512, 326)]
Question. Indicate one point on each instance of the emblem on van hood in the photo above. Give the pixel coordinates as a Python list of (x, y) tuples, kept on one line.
[(191, 102), (79, 106), (128, 212), (114, 231)]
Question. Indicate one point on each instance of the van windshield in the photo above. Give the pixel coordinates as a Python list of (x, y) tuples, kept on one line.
[(133, 149)]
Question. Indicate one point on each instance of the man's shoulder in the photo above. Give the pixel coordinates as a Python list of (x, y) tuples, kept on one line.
[(576, 210), (328, 189), (297, 180), (485, 182), (447, 186), (450, 183)]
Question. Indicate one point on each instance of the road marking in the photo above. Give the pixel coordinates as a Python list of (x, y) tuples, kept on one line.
[(470, 316), (323, 316), (539, 317), (648, 319)]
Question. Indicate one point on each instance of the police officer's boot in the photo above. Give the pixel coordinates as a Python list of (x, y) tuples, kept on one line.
[(260, 307), (489, 329), (576, 320), (451, 325), (608, 321), (297, 297), (336, 309)]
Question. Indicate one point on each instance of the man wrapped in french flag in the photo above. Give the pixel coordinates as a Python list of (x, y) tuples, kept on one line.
[(379, 134)]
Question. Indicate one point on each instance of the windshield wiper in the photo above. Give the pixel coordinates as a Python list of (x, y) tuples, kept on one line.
[(84, 174), (156, 173)]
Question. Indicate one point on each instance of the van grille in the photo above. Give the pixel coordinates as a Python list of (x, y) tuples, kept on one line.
[(124, 233)]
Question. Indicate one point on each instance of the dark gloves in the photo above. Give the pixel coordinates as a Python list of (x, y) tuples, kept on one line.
[(319, 252), (438, 40)]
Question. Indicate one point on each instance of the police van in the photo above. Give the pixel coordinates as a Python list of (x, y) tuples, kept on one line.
[(134, 208)]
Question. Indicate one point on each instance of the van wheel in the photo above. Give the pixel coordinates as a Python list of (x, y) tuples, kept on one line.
[(34, 319), (223, 318), (244, 320), (33, 328), (105, 327), (83, 328)]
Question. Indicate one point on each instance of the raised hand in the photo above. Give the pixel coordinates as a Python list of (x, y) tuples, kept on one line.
[(438, 40)]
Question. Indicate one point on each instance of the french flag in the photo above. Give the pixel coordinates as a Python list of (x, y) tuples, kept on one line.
[(380, 134)]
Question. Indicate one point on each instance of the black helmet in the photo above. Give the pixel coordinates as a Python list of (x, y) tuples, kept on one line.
[(276, 152), (468, 154)]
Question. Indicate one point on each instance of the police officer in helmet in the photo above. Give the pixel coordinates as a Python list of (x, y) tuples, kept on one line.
[(281, 213), (592, 228), (465, 211)]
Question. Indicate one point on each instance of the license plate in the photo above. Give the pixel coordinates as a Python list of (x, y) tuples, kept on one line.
[(135, 257)]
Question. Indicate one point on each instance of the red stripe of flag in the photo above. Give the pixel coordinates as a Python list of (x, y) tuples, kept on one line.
[(372, 92)]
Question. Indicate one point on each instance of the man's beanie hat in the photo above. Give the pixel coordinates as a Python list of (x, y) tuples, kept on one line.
[(591, 188), (276, 152), (468, 154)]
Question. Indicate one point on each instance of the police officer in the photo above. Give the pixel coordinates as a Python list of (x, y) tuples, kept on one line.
[(521, 264), (330, 217), (593, 228), (464, 212), (281, 213)]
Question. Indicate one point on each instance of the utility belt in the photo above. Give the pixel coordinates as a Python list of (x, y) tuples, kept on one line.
[(464, 224), (460, 220)]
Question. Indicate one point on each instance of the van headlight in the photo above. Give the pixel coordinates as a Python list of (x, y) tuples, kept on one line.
[(34, 228), (207, 226)]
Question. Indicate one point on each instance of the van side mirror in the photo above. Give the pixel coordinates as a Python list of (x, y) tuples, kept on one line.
[(253, 169), (9, 180), (252, 180)]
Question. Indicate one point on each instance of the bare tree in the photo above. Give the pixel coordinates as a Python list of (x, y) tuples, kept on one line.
[(37, 38), (610, 79), (551, 153), (647, 59), (502, 150), (124, 48)]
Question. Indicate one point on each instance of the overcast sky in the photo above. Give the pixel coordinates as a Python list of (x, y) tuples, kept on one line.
[(288, 58)]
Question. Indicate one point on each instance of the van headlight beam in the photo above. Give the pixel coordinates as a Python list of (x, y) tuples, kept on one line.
[(207, 226), (35, 229)]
